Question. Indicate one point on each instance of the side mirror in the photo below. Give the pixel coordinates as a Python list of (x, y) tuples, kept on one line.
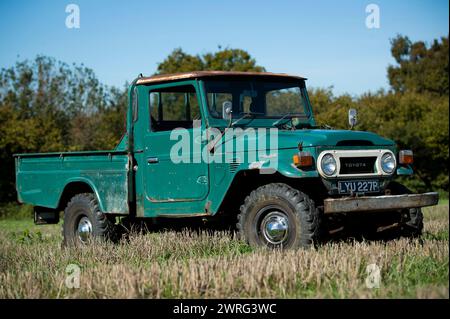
[(227, 109), (352, 117)]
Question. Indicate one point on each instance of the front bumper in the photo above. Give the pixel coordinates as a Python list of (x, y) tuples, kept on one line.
[(379, 203)]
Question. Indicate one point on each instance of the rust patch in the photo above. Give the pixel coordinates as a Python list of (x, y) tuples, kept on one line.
[(208, 207), (198, 74)]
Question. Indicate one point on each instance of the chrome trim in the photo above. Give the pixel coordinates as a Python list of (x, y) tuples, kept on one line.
[(378, 153), (275, 227), (84, 229)]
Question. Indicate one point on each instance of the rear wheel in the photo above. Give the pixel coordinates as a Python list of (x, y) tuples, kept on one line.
[(279, 216), (83, 221)]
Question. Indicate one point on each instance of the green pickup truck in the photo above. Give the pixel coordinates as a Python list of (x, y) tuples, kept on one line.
[(239, 146)]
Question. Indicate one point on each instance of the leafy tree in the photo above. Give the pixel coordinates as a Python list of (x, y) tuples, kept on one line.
[(230, 60), (179, 61), (414, 121), (224, 59), (47, 105), (330, 110), (419, 68)]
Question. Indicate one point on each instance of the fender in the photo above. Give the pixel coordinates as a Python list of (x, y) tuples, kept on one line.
[(85, 181)]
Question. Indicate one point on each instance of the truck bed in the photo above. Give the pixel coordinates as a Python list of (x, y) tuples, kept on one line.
[(42, 178)]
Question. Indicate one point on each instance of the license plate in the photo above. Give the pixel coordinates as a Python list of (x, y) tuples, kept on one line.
[(347, 187)]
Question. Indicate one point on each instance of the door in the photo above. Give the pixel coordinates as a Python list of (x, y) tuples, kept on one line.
[(174, 170)]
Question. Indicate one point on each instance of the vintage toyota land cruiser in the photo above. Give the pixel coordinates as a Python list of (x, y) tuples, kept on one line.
[(241, 145)]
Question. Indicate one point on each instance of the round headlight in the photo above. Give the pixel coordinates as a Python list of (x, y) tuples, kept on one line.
[(328, 164), (388, 163)]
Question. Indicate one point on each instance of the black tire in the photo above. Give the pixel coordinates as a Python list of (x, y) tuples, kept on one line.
[(271, 202), (85, 207), (411, 219)]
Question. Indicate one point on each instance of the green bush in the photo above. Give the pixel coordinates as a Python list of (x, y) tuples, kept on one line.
[(15, 211)]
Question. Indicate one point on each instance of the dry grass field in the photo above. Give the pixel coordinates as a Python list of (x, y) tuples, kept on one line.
[(215, 265)]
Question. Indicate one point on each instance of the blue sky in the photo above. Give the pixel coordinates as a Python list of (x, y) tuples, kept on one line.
[(325, 41)]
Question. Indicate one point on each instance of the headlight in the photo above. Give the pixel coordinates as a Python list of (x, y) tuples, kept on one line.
[(388, 163), (328, 164)]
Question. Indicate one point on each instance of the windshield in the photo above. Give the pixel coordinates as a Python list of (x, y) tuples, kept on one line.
[(261, 98)]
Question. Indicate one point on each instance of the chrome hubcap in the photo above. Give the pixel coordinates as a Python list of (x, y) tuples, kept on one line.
[(275, 227), (84, 229)]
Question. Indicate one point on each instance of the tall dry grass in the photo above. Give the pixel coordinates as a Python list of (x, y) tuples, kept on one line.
[(192, 265)]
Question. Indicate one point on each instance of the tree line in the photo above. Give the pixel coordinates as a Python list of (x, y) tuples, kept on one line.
[(48, 105)]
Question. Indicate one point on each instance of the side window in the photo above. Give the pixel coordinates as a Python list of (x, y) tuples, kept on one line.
[(173, 107)]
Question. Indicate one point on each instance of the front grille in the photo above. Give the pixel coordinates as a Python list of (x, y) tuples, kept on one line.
[(357, 165)]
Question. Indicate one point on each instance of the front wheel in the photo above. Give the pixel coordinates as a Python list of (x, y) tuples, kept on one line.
[(279, 216)]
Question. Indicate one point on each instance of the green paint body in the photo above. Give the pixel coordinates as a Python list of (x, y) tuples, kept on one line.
[(124, 182)]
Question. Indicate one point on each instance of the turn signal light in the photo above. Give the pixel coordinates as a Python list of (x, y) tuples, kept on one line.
[(303, 159), (405, 157)]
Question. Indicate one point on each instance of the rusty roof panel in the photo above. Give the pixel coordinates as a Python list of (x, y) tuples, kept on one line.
[(200, 74)]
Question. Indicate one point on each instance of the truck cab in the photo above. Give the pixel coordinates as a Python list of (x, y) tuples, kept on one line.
[(242, 146)]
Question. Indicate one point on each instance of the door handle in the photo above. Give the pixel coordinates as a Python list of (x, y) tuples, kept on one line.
[(152, 160)]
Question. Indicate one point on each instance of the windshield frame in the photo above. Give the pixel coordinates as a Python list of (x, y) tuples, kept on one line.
[(258, 120)]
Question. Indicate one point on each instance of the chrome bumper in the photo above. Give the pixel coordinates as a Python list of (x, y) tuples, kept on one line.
[(379, 203)]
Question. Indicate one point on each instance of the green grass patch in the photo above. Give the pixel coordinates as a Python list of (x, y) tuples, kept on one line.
[(191, 264), (15, 211)]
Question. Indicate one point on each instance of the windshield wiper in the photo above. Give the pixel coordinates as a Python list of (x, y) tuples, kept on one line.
[(248, 114), (251, 114), (283, 117), (292, 115)]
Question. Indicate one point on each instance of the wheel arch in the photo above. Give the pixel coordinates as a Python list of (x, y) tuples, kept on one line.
[(78, 186), (245, 181)]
